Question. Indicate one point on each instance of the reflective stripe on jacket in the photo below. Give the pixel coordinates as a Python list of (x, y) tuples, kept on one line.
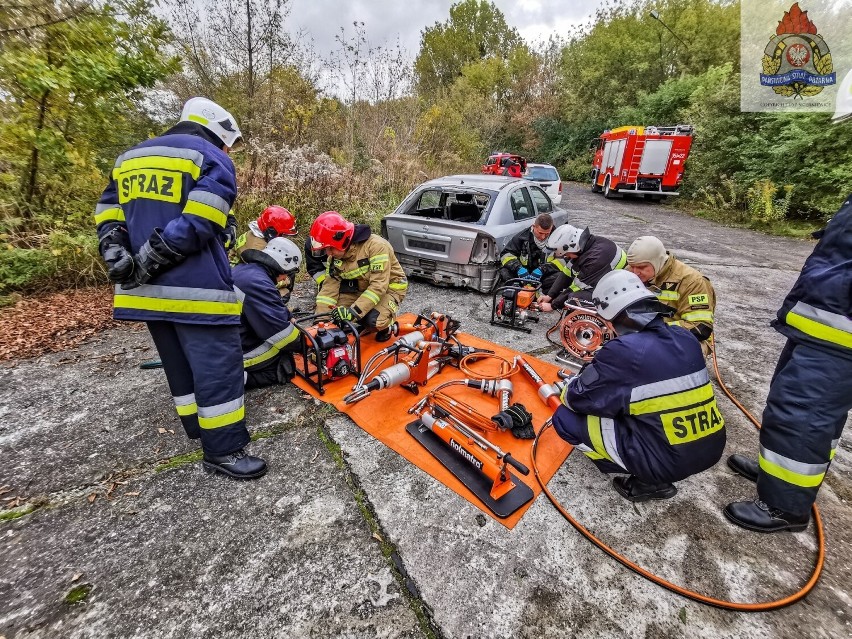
[(265, 326), (654, 387), (372, 269), (183, 184), (818, 309), (688, 292)]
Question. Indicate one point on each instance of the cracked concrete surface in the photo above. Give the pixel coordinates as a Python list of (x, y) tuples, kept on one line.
[(345, 538)]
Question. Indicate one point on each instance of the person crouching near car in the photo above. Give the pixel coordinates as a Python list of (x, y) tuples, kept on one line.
[(364, 281), (644, 406), (582, 260), (525, 255), (268, 336), (677, 285)]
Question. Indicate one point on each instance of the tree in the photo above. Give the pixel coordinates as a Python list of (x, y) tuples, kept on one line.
[(69, 80), (475, 30)]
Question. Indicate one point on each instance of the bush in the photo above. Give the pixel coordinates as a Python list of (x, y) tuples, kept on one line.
[(55, 261)]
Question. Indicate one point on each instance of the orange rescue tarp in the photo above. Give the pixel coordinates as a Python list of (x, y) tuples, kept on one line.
[(384, 415)]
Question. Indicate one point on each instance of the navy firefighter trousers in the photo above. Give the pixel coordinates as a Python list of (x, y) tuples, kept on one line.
[(807, 407), (204, 368)]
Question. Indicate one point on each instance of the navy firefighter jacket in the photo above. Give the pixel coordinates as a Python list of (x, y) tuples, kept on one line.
[(647, 401), (185, 185), (818, 309), (265, 327)]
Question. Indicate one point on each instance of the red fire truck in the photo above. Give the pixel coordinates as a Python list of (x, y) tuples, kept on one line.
[(641, 160)]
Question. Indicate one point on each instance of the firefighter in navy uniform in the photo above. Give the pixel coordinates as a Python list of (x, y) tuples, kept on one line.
[(811, 390), (644, 405), (525, 255), (582, 260), (364, 281), (267, 335), (161, 223)]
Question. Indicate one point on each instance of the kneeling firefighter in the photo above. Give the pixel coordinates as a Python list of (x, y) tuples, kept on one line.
[(644, 405), (268, 337), (364, 281)]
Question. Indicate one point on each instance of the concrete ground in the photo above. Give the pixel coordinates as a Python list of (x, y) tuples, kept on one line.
[(119, 533)]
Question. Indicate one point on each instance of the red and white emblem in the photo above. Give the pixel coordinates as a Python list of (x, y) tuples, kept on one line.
[(798, 55)]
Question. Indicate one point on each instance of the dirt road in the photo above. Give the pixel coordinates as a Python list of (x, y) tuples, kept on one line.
[(345, 538)]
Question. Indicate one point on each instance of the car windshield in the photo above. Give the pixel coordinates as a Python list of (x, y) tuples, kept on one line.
[(543, 173)]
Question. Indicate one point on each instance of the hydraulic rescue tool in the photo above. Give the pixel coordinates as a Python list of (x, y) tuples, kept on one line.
[(582, 331), (448, 428), (330, 350), (424, 348), (514, 304), (549, 393)]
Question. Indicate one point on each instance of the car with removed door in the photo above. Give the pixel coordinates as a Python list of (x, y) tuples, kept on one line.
[(547, 177), (451, 230)]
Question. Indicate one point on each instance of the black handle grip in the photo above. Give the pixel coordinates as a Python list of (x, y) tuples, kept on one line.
[(516, 464)]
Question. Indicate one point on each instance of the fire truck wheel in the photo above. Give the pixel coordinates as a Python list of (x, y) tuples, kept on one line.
[(595, 187), (608, 192)]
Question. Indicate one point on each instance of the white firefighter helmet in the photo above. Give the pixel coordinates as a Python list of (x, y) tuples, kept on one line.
[(617, 290), (213, 118), (567, 239), (284, 253), (843, 106)]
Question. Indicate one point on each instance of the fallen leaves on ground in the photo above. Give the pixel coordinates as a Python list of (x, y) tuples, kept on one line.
[(55, 322)]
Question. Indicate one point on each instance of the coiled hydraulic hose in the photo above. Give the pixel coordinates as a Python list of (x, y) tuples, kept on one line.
[(680, 590)]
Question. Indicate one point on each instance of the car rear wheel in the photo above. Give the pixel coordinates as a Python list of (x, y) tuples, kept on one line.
[(608, 192), (595, 187)]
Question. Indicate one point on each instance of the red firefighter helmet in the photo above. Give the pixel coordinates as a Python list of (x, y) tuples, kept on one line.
[(331, 229), (276, 221)]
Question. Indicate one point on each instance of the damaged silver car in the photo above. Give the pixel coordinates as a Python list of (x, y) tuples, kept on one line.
[(451, 230)]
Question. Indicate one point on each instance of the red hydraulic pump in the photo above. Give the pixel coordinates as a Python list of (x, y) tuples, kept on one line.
[(641, 160)]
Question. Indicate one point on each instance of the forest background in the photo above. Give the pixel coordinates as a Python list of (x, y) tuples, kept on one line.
[(82, 80)]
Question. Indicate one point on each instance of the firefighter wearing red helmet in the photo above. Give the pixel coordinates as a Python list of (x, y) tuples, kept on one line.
[(275, 221), (364, 281)]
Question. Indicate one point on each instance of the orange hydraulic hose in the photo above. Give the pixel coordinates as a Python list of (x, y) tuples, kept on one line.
[(679, 590)]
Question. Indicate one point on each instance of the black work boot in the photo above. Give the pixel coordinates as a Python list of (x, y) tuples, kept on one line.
[(744, 466), (761, 517), (634, 490), (239, 465)]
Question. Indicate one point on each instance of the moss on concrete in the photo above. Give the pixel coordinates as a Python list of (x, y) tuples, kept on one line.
[(78, 594), (15, 513)]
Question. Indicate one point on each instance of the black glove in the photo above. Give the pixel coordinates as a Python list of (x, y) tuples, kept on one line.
[(229, 235), (115, 249), (522, 427), (342, 313), (154, 258)]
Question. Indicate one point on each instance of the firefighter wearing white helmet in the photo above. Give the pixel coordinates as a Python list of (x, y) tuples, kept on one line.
[(677, 285), (162, 222), (268, 337), (644, 406), (215, 119), (582, 260), (843, 105)]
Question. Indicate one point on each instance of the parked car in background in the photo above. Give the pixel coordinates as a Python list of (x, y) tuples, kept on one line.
[(547, 177), (451, 230)]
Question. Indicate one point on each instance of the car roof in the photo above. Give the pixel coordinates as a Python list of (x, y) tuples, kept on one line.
[(549, 166), (474, 180)]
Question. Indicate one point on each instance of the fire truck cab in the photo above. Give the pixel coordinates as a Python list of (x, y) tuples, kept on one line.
[(641, 160)]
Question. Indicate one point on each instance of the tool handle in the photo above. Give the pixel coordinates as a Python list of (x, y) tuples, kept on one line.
[(516, 464)]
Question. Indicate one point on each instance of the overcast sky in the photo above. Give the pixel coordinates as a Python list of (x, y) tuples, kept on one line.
[(387, 20)]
